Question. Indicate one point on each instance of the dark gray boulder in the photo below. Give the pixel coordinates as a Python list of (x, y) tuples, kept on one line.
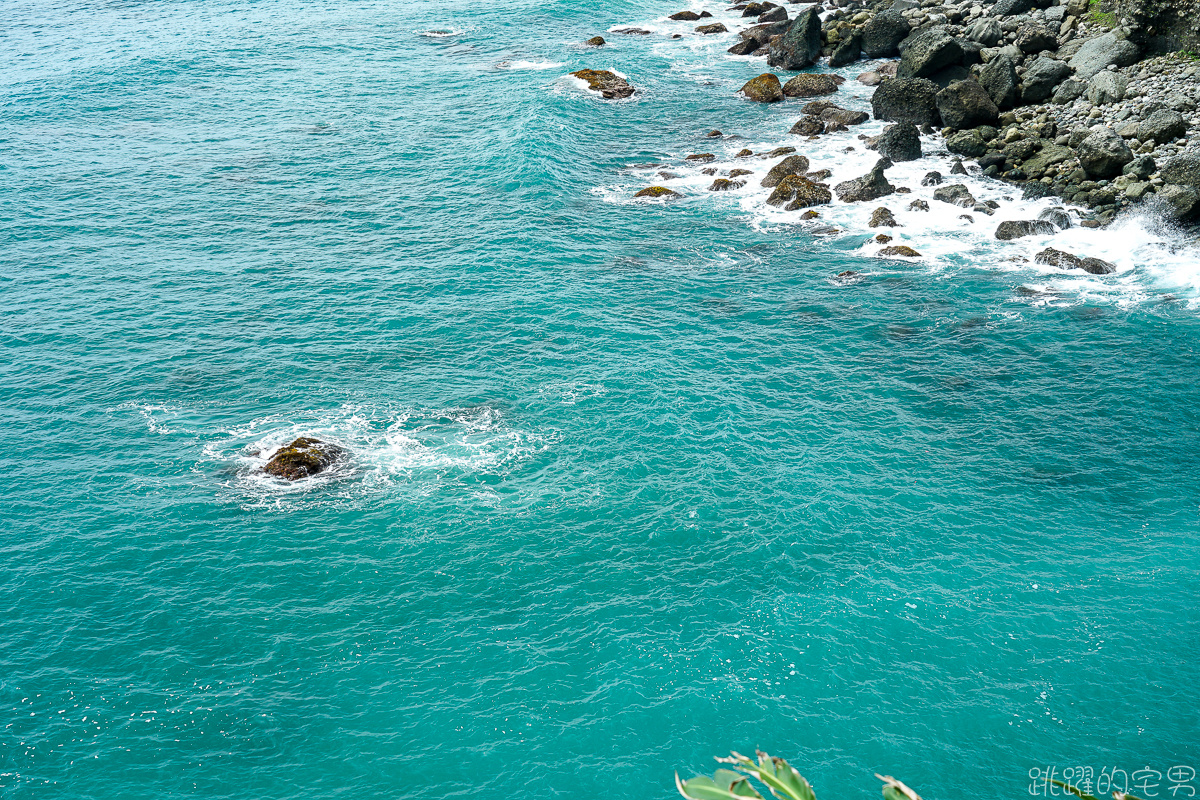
[(899, 142), (1183, 169), (848, 51), (1142, 167), (883, 33), (1180, 202), (1069, 91), (796, 191), (966, 143), (1162, 126), (800, 47), (906, 100), (966, 104), (1043, 75), (999, 78), (1016, 229), (1106, 87), (1062, 260), (1033, 38), (925, 53), (810, 84), (1103, 154), (1009, 8), (1058, 217), (776, 14), (871, 186), (986, 31)]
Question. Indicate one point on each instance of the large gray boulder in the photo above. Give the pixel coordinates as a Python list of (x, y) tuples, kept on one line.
[(1019, 228), (906, 100), (986, 31), (927, 52), (1183, 169), (883, 33), (1069, 91), (1043, 75), (1106, 87), (899, 142), (1103, 153), (966, 104), (1009, 8), (966, 143), (1162, 126), (1033, 38), (810, 84), (871, 186), (999, 78), (800, 47), (1101, 53), (792, 165), (1180, 202)]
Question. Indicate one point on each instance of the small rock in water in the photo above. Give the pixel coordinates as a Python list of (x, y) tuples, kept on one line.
[(725, 185), (957, 167), (733, 173), (1016, 229), (792, 165), (766, 88), (810, 215), (918, 205), (871, 186), (684, 16), (882, 218), (702, 158), (610, 85), (302, 458), (596, 41), (1058, 217), (899, 251), (716, 27), (714, 134), (956, 195), (932, 179), (882, 238), (657, 191)]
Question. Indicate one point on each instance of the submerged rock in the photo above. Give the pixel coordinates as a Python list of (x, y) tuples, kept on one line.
[(1016, 229), (610, 85), (899, 251), (716, 27), (302, 458), (725, 185), (882, 217), (1062, 260)]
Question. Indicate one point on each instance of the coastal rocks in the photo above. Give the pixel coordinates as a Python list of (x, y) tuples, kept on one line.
[(899, 251), (1180, 202), (1043, 75), (966, 104), (810, 85), (716, 27), (658, 191), (1103, 153), (684, 16), (776, 14), (1032, 39), (796, 191), (610, 85), (1057, 217), (1106, 87), (985, 31), (792, 165), (999, 78), (871, 186), (808, 126), (1038, 164), (763, 89), (906, 100), (899, 142), (1162, 126), (882, 34), (883, 218), (1182, 170), (800, 46), (1017, 229), (966, 143), (956, 195), (847, 51), (928, 52), (596, 41), (757, 37), (1068, 92), (1058, 258), (725, 185), (303, 458), (1101, 53), (841, 116)]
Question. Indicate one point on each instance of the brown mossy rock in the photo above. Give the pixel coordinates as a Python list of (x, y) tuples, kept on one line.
[(808, 126), (882, 218), (596, 41), (610, 85), (766, 88), (302, 458), (899, 251), (684, 16), (733, 173), (725, 185), (716, 27), (808, 84), (657, 191), (882, 238), (807, 215), (701, 158), (795, 192), (792, 165)]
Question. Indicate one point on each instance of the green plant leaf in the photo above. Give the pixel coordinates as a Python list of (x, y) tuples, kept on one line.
[(1073, 790), (728, 785)]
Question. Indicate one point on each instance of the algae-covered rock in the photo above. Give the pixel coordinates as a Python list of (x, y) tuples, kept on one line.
[(899, 251), (610, 85), (792, 165), (810, 84), (596, 41), (303, 458), (766, 88), (657, 191), (795, 192)]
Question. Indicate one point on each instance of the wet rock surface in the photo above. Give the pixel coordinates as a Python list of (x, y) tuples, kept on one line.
[(303, 458)]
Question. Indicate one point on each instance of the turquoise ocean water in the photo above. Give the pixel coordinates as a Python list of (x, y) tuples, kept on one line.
[(630, 484)]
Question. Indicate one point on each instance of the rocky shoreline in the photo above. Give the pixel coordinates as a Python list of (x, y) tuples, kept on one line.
[(1053, 98)]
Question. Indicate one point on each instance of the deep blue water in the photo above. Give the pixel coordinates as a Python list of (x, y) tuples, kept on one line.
[(630, 484)]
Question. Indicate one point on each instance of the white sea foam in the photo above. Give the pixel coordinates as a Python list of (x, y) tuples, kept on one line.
[(528, 65), (441, 34), (385, 446)]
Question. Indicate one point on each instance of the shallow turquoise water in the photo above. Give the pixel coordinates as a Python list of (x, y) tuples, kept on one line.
[(631, 484)]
